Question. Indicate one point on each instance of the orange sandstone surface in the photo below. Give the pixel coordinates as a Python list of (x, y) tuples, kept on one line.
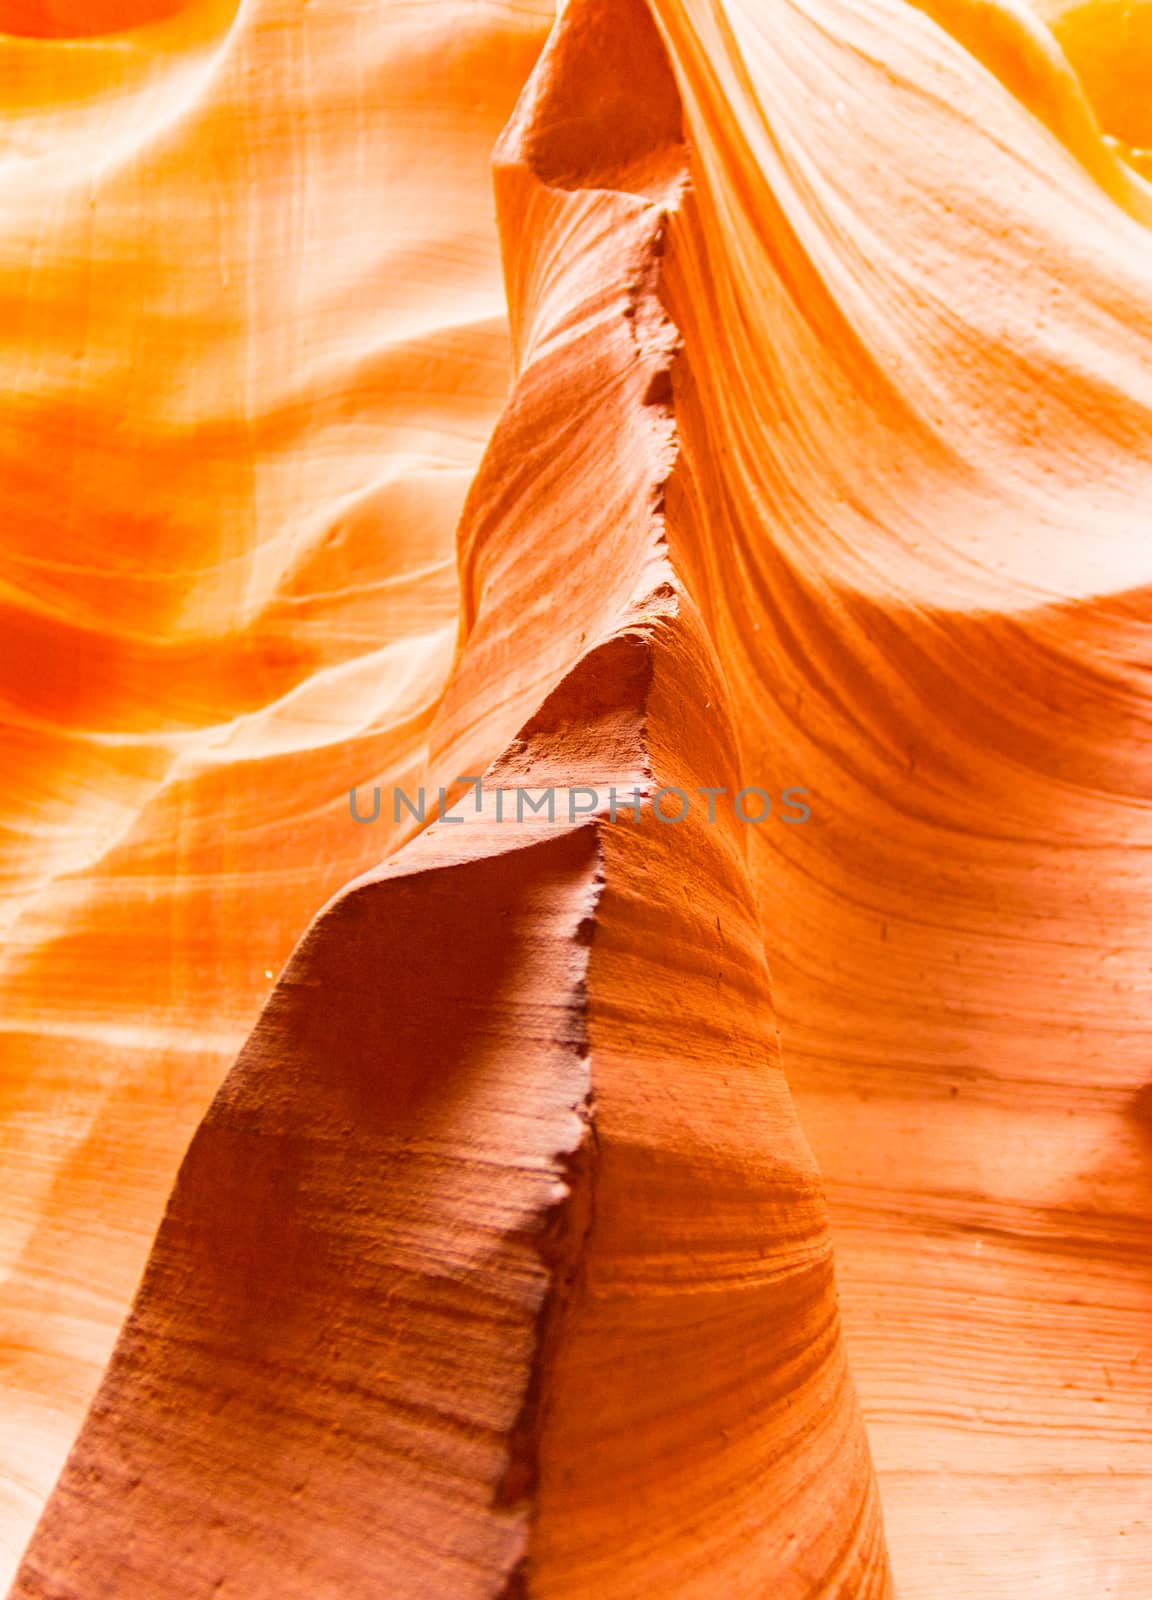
[(579, 1202)]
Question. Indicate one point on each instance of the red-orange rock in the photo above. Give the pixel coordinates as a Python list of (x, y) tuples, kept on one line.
[(499, 1265)]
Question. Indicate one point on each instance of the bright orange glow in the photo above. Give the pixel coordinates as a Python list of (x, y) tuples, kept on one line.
[(692, 393)]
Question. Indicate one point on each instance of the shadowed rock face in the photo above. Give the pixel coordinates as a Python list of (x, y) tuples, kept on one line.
[(499, 1265)]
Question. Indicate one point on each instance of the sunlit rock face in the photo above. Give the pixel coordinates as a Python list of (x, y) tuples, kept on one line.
[(252, 341), (768, 413)]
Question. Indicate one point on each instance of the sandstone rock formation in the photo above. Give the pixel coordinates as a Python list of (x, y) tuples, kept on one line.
[(499, 1264)]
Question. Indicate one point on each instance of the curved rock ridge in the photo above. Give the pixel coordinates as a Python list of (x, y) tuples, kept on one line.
[(914, 418), (500, 1255), (499, 1265)]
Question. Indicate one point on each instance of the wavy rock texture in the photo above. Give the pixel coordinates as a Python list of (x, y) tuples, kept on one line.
[(499, 1264), (251, 354)]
